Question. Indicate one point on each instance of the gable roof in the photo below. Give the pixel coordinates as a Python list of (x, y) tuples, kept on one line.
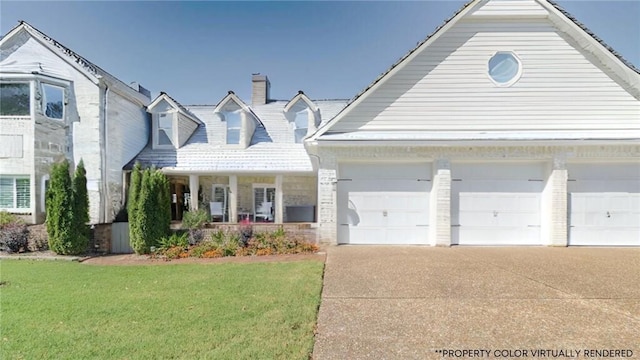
[(181, 109), (300, 97), (601, 47), (84, 66), (231, 96)]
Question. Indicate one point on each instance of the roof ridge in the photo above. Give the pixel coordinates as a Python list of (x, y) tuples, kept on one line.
[(89, 66), (593, 35)]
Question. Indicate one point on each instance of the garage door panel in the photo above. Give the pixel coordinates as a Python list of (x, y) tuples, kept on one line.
[(604, 204), (387, 201), (496, 203), (503, 236), (408, 235), (364, 201), (406, 219), (604, 236), (359, 235)]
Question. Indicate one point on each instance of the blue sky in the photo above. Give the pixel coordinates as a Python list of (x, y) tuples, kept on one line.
[(196, 51)]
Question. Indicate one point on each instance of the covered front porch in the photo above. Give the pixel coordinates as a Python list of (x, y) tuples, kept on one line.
[(254, 198)]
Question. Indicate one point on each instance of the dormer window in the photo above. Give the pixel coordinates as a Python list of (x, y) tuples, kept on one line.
[(234, 126), (165, 129), (303, 116), (301, 125), (53, 101), (172, 124)]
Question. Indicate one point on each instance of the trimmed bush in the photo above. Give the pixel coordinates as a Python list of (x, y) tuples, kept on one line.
[(80, 208), (133, 202), (59, 207), (14, 234), (152, 213), (67, 208)]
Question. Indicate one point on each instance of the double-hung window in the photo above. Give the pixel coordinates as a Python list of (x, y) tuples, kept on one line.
[(234, 126), (15, 193), (301, 123), (165, 129)]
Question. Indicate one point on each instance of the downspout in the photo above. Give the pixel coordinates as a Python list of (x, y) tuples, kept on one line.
[(103, 158)]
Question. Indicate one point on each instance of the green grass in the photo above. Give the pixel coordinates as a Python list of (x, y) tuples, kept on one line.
[(63, 310)]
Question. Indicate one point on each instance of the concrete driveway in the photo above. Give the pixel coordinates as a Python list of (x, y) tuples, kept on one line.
[(382, 302)]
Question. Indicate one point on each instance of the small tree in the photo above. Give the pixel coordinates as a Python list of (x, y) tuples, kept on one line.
[(80, 208), (59, 210), (152, 212)]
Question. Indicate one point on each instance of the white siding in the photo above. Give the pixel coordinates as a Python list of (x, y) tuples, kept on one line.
[(510, 8), (127, 134), (446, 86)]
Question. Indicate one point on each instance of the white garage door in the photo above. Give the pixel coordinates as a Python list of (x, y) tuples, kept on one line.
[(604, 204), (383, 203), (496, 204)]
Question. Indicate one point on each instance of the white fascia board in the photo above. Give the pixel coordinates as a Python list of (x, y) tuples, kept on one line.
[(413, 54), (95, 78), (33, 75), (302, 97), (125, 91), (231, 97), (454, 143), (182, 171)]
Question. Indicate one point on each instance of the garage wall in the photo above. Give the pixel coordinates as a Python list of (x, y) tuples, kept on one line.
[(553, 191)]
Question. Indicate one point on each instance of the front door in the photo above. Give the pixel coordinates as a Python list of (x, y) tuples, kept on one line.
[(264, 204)]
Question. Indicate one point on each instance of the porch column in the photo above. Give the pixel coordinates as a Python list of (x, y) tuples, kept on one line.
[(440, 207), (554, 206), (279, 203), (233, 199), (194, 186)]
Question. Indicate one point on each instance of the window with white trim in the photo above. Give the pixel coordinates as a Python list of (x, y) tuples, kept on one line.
[(234, 126), (53, 101), (165, 129), (15, 193), (15, 99), (301, 125), (504, 68), (43, 192)]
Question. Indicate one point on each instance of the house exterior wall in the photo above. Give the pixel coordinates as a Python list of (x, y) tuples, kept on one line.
[(88, 105), (298, 190), (446, 86), (554, 202), (20, 129), (127, 129)]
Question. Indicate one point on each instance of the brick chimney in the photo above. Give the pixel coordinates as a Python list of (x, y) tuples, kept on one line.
[(259, 89)]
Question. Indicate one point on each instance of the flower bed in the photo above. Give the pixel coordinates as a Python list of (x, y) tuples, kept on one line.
[(243, 242)]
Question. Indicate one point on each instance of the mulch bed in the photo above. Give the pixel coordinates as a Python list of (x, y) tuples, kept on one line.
[(132, 259)]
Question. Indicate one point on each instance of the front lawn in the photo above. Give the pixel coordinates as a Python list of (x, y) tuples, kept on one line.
[(66, 310)]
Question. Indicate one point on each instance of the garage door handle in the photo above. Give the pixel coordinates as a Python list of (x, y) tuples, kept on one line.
[(422, 225), (608, 214)]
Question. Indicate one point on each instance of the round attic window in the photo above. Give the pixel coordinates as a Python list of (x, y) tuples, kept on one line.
[(504, 68)]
